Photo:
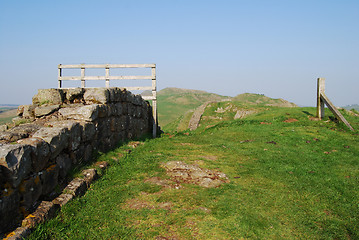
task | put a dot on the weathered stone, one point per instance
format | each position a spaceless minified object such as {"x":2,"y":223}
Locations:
{"x":17,"y":159}
{"x":102,"y":111}
{"x":20,"y":233}
{"x":76,"y":187}
{"x":97,"y":95}
{"x":30,"y":190}
{"x":88,"y":153}
{"x":20,"y":110}
{"x":194,"y":174}
{"x":85,"y":113}
{"x":137,"y":100}
{"x":57,"y":137}
{"x":88,"y":131}
{"x":90,"y":175}
{"x":74,"y":93}
{"x":114,"y":124}
{"x":115,"y":94}
{"x":49,"y":179}
{"x":19,"y":132}
{"x":103,"y":165}
{"x":44,"y":211}
{"x":40,"y":152}
{"x":63,"y":199}
{"x":3,"y":127}
{"x":64,"y":162}
{"x":48,"y":96}
{"x":119,"y":109}
{"x":45,"y":110}
{"x":29,"y":111}
{"x":10,"y":215}
{"x":74,"y":130}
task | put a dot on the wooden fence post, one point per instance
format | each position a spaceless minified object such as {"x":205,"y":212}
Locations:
{"x":154,"y":101}
{"x":83,"y":77}
{"x":323,"y":99}
{"x":320,"y":103}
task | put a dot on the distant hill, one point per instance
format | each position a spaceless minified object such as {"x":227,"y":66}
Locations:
{"x":353,"y":106}
{"x":260,"y":99}
{"x":174,"y":102}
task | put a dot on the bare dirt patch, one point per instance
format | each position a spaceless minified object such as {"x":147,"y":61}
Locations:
{"x":290,"y":120}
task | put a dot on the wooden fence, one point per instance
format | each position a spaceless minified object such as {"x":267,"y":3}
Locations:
{"x":108,"y":77}
{"x":323,"y":100}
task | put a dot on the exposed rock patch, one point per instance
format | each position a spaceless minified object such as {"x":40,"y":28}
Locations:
{"x":187,"y":173}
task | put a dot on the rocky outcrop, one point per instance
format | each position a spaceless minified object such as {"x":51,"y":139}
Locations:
{"x":66,"y":126}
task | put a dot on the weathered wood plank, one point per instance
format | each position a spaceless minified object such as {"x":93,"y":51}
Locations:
{"x":70,"y":78}
{"x":320,"y":103}
{"x":138,"y":88}
{"x":148,"y":97}
{"x":151,"y":65}
{"x":335,"y":111}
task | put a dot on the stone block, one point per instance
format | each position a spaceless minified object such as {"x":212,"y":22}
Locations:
{"x":74,"y":130}
{"x":76,"y":187}
{"x":119,"y":109}
{"x":48,"y":96}
{"x":17,"y":161}
{"x":74,"y":95}
{"x":64,"y":162}
{"x":20,"y":233}
{"x":97,"y":95}
{"x":102,"y":110}
{"x":30,"y":189}
{"x":56,"y":137}
{"x":3,"y":128}
{"x":90,"y":175}
{"x":88,"y":131}
{"x":29,"y":111}
{"x":45,"y":110}
{"x":20,"y":110}
{"x":40,"y":152}
{"x":115,"y":94}
{"x":137,"y":100}
{"x":49,"y":179}
{"x":9,"y":210}
{"x":62,"y":199}
{"x":84,"y":113}
{"x":44,"y":211}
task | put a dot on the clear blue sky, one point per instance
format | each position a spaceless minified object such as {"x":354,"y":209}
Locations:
{"x":277,"y":48}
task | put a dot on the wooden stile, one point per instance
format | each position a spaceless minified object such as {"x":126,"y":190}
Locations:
{"x":108,"y":77}
{"x":322,"y":100}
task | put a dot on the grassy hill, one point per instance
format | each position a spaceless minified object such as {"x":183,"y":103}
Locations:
{"x":174,"y":102}
{"x":7,"y":113}
{"x":260,"y":99}
{"x":290,"y":177}
{"x":176,"y":105}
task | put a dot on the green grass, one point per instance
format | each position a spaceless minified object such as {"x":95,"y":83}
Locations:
{"x":288,"y":180}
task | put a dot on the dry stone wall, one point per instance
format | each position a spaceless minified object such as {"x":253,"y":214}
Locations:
{"x":63,"y":127}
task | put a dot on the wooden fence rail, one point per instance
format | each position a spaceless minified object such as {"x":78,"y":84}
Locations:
{"x":323,"y":100}
{"x":108,"y":77}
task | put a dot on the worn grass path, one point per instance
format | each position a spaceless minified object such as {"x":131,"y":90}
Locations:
{"x":290,"y":178}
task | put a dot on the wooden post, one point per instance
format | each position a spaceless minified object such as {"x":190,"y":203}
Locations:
{"x":107,"y":77}
{"x":323,"y":99}
{"x":83,"y":77}
{"x":59,"y":76}
{"x":154,"y":101}
{"x":320,"y":103}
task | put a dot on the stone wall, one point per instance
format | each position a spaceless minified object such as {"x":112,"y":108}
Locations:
{"x":63,"y":127}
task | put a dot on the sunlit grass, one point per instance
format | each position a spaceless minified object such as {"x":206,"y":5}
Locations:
{"x":288,"y":180}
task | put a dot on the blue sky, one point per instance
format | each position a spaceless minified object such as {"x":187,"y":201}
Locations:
{"x":277,"y":48}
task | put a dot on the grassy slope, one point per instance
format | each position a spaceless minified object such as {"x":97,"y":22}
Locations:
{"x":289,"y":180}
{"x":174,"y":102}
{"x":6,"y":115}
